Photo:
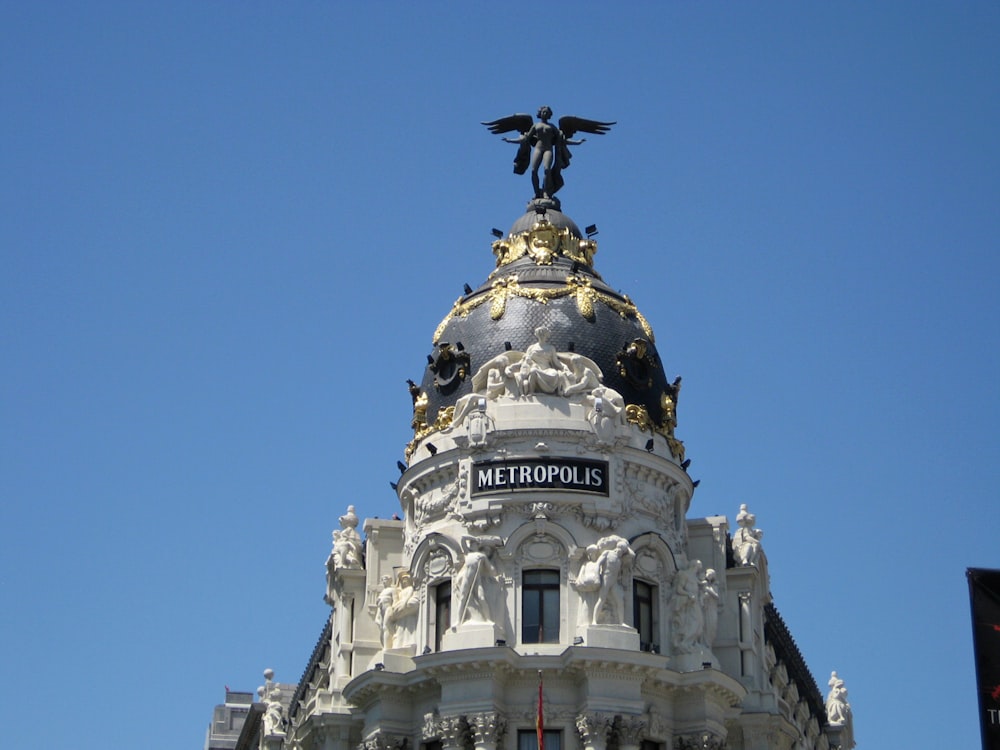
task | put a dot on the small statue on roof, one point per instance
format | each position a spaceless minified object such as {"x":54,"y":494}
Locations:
{"x":542,"y":144}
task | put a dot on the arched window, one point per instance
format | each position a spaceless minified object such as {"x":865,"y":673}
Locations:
{"x":540,"y":606}
{"x":644,"y":614}
{"x":441,"y":613}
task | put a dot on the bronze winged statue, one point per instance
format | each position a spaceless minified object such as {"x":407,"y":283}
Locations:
{"x":542,"y":144}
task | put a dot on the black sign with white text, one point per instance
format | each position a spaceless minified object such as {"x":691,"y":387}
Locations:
{"x":984,"y":588}
{"x":578,"y":474}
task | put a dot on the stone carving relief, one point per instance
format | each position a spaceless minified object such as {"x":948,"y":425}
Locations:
{"x":397,"y":607}
{"x":687,"y":616}
{"x":435,"y":502}
{"x":383,"y":603}
{"x":651,"y":493}
{"x":613,"y":560}
{"x":587,"y":583}
{"x":478,"y":588}
{"x":746,"y":541}
{"x":710,"y":601}
{"x":540,"y":370}
{"x":438,"y":564}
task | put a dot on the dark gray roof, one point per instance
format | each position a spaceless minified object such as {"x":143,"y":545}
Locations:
{"x":601,"y":336}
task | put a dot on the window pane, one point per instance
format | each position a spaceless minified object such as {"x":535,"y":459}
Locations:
{"x":642,"y":612}
{"x":540,"y":606}
{"x":550,"y":617}
{"x":442,"y":612}
{"x":527,"y":739}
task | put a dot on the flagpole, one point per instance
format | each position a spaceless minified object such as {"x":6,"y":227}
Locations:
{"x":540,"y":718}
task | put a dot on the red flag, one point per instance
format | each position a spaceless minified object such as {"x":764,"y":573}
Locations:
{"x":540,"y":719}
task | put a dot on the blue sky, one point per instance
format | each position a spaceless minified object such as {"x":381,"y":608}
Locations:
{"x":230,"y":229}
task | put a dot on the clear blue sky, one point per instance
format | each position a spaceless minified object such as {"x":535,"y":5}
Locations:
{"x":230,"y":228}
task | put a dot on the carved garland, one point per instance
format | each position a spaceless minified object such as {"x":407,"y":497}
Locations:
{"x":579,"y":286}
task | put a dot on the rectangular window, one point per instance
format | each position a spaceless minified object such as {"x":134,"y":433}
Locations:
{"x":442,"y":612}
{"x":540,"y":607}
{"x":650,"y":745}
{"x":644,"y":614}
{"x":527,"y":739}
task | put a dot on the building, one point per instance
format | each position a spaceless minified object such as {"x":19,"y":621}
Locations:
{"x":548,"y":560}
{"x":227,"y":720}
{"x":238,"y":723}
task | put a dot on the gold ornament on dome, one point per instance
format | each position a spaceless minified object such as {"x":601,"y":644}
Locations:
{"x":543,"y":243}
{"x":676,"y":448}
{"x":584,"y":294}
{"x":419,"y":411}
{"x":442,"y":422}
{"x":577,"y":285}
{"x":639,"y":416}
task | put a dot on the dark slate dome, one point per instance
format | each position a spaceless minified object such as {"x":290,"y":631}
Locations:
{"x":545,"y":276}
{"x":556,"y":218}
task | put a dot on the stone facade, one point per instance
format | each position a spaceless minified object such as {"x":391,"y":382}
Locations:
{"x":546,"y":536}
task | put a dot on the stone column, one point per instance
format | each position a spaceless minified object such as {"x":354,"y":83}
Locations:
{"x":593,"y":730}
{"x":703,"y":741}
{"x":629,"y":731}
{"x":454,"y":730}
{"x":487,"y":730}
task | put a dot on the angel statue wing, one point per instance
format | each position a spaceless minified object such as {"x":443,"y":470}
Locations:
{"x":570,"y":125}
{"x":522,"y":124}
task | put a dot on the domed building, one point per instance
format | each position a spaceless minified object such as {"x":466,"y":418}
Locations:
{"x":547,"y":583}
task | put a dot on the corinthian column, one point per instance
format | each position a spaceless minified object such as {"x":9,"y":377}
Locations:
{"x":454,"y":729}
{"x":629,"y":731}
{"x":487,"y":730}
{"x":593,"y":730}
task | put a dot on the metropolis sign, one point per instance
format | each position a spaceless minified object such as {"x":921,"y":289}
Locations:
{"x":577,"y":474}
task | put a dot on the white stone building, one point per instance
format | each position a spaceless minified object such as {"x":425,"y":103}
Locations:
{"x":545,"y":534}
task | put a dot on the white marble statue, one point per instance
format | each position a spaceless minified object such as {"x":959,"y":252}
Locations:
{"x":347,"y":542}
{"x":710,"y":608}
{"x":838,"y":710}
{"x":401,"y":616}
{"x":270,"y":695}
{"x":616,"y":555}
{"x":346,"y":551}
{"x":688,"y":619}
{"x":476,"y":585}
{"x":588,"y":583}
{"x":746,"y":541}
{"x":541,"y":371}
{"x":273,"y":715}
{"x":607,"y":411}
{"x":383,"y":603}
